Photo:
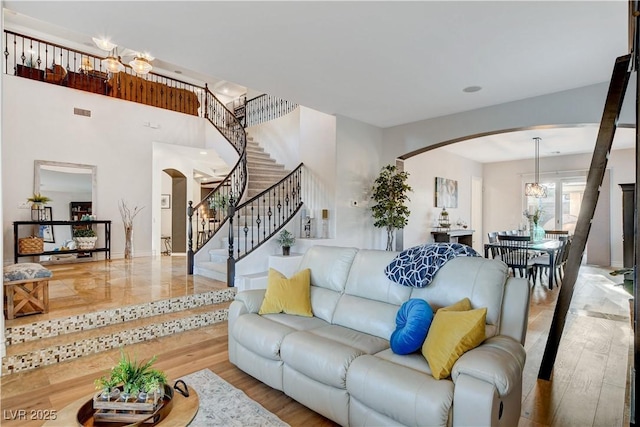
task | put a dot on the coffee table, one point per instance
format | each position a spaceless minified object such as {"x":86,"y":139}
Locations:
{"x":183,"y":411}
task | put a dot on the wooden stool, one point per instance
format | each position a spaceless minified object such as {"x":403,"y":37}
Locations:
{"x":26,"y":289}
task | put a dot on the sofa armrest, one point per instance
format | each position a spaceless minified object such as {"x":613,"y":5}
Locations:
{"x":498,"y":361}
{"x":252,"y":299}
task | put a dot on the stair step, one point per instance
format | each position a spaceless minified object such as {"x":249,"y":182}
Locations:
{"x":262,"y":161}
{"x":212,"y":270}
{"x":265,"y":167}
{"x":54,"y":327}
{"x":169,"y":317}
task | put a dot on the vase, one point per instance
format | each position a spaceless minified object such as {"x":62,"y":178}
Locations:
{"x":538,"y":233}
{"x":286,"y":250}
{"x":128,"y":242}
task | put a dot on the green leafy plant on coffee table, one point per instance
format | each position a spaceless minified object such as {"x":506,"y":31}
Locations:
{"x":133,"y":376}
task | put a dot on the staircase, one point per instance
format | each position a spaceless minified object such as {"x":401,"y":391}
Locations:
{"x":262,"y":169}
{"x":263,"y":172}
{"x":47,"y":342}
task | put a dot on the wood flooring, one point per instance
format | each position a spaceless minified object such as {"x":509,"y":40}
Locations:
{"x":588,"y":386}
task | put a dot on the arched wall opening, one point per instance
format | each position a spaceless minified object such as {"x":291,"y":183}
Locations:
{"x":501,"y":181}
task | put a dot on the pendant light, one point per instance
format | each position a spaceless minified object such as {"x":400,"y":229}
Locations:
{"x":112,"y":63}
{"x":534,"y":189}
{"x":140,"y":65}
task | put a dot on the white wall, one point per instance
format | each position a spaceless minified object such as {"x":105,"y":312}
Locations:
{"x":114,"y":139}
{"x":358,"y":164}
{"x":423,"y":170}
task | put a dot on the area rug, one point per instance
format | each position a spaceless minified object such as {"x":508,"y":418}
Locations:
{"x":221,"y":404}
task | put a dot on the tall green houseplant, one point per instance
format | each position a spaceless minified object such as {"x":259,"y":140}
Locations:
{"x":390,"y":195}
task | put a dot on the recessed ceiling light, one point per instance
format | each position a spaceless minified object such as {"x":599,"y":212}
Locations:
{"x":471,"y":89}
{"x":203,"y":152}
{"x":555,"y":152}
{"x":178,"y":72}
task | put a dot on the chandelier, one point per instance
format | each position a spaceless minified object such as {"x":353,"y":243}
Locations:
{"x":534,"y":189}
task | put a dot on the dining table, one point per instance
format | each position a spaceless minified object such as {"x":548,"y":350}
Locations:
{"x":549,"y":246}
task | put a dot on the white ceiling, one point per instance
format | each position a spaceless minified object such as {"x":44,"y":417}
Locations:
{"x":383,"y":63}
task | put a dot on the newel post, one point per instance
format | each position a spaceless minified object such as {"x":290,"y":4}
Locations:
{"x":206,"y":101}
{"x":190,"y":238}
{"x":231,"y":262}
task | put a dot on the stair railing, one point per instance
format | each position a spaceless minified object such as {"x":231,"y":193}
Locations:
{"x":255,"y":221}
{"x":211,"y":213}
{"x":266,"y":107}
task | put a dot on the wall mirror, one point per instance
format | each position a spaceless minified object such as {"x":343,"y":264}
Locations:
{"x":69,"y":186}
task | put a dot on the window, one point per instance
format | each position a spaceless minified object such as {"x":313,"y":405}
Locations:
{"x":562,"y":205}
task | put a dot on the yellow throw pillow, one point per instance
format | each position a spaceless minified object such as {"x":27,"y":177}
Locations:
{"x":452,"y":333}
{"x":462,"y":305}
{"x":290,"y":296}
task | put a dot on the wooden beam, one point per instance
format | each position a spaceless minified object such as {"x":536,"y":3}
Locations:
{"x":612,"y":107}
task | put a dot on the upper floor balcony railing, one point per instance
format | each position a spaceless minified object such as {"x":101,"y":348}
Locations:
{"x":48,"y":62}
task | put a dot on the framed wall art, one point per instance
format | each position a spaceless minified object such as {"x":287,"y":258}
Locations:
{"x":165,"y":201}
{"x":446,"y":193}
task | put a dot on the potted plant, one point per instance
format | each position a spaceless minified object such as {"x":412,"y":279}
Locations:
{"x":286,"y":240}
{"x":85,"y":238}
{"x":217,"y":203}
{"x":131,"y":379}
{"x":390,"y":195}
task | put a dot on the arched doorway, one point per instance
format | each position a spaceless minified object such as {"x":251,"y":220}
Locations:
{"x":174,"y":213}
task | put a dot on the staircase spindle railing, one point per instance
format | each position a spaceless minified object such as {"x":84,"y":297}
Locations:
{"x":212,"y":212}
{"x":266,"y":107}
{"x":257,"y":220}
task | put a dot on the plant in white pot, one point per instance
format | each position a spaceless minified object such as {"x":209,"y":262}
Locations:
{"x":85,"y":238}
{"x":285,"y":239}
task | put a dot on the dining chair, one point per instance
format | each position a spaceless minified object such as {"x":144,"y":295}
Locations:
{"x":493,"y":238}
{"x":555,"y":234}
{"x":514,"y":251}
{"x":541,"y":263}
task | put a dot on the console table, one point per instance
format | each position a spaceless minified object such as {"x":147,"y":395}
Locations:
{"x":462,"y":236}
{"x":107,"y":238}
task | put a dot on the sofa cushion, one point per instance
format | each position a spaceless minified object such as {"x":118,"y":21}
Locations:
{"x":260,"y":335}
{"x":366,"y":278}
{"x":412,"y":323}
{"x":366,"y":343}
{"x":400,"y":393}
{"x":329,"y":266}
{"x":370,"y":316}
{"x":299,"y":323}
{"x":414,"y":360}
{"x":287,"y":295}
{"x":319,"y":358}
{"x":479,"y":279}
{"x":452,"y":333}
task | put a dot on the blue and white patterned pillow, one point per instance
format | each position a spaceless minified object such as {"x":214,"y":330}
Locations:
{"x":25,"y":271}
{"x":416,"y":266}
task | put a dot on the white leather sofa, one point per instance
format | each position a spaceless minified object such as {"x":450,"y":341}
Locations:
{"x":339,"y":362}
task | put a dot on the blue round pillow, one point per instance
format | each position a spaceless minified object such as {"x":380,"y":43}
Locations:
{"x":412,"y":324}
